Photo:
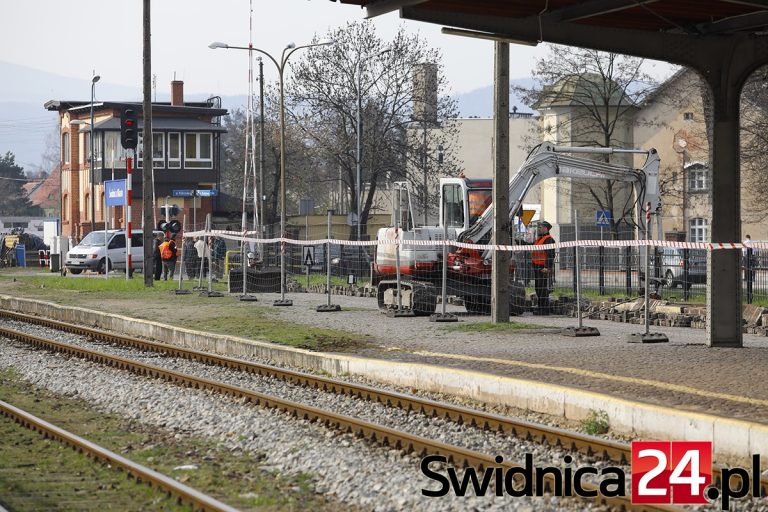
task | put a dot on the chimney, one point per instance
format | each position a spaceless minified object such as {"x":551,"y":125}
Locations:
{"x":177,"y":93}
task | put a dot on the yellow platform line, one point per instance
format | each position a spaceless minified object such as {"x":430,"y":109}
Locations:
{"x":667,"y":386}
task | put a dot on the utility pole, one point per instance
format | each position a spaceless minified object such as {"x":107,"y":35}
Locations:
{"x":500,"y":236}
{"x":146,"y":174}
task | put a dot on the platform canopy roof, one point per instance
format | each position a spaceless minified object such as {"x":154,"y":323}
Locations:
{"x":668,"y":30}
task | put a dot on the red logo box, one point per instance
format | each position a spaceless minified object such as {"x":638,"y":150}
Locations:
{"x":676,"y":472}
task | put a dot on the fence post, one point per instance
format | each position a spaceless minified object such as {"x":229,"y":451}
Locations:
{"x":686,"y":272}
{"x":750,"y":275}
{"x":575,"y":269}
{"x":628,"y":269}
{"x":601,"y":269}
{"x":328,"y":307}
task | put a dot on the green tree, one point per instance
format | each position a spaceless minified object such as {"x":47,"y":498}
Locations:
{"x":13,"y":200}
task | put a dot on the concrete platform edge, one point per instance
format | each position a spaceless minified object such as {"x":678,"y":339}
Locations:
{"x":734,"y":441}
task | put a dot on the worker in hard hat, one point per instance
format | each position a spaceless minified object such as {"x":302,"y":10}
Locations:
{"x":543,"y":263}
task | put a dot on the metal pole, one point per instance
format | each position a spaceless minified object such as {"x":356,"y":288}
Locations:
{"x":243,"y":265}
{"x":261,"y":148}
{"x":424,"y":156}
{"x":282,"y":187}
{"x":444,"y":292}
{"x":147,"y":187}
{"x":328,"y":258}
{"x":306,"y":237}
{"x":129,"y":200}
{"x":183,"y":230}
{"x":576,"y":269}
{"x":106,"y":248}
{"x":647,"y":270}
{"x":93,"y":160}
{"x":397,"y":250}
{"x":208,"y":250}
{"x":500,"y":289}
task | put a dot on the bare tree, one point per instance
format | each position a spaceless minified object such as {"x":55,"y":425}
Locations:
{"x":588,"y":98}
{"x":754,"y":146}
{"x":687,"y":92}
{"x":299,"y":183}
{"x":324,"y":93}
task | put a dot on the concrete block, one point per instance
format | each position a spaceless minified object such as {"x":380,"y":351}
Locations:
{"x":656,"y":423}
{"x":753,"y":314}
{"x":758,"y":441}
{"x":731,"y":441}
{"x":668,"y":309}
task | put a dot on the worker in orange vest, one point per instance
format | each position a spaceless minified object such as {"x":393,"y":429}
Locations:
{"x":543,"y":263}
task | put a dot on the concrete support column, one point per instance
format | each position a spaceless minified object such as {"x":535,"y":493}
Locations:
{"x":724,"y":291}
{"x":500,"y":234}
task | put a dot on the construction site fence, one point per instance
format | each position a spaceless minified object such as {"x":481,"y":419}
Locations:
{"x":606,"y":268}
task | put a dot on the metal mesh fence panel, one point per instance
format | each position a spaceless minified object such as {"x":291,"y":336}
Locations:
{"x":608,"y":269}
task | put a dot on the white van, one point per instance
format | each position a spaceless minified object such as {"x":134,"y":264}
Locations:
{"x":90,"y":254}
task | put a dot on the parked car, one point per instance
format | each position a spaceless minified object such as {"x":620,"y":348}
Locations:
{"x":90,"y":253}
{"x":672,"y":266}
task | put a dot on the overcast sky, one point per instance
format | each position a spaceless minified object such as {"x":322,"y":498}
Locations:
{"x":74,"y":38}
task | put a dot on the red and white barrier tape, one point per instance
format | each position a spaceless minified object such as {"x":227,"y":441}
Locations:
{"x":249,"y":236}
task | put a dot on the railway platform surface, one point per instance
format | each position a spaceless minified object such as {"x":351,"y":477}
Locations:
{"x":683,"y":373}
{"x":682,"y":388}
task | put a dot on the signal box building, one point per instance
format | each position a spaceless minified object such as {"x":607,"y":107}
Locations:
{"x":185,"y":146}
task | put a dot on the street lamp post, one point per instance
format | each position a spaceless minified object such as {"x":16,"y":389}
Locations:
{"x":290,"y":49}
{"x":95,"y":79}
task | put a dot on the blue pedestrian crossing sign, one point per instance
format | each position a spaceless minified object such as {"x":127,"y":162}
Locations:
{"x":603,"y":218}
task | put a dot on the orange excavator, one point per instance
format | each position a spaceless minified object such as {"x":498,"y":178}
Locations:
{"x":466,"y":213}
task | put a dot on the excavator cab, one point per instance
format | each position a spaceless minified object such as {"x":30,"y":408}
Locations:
{"x":463,"y":201}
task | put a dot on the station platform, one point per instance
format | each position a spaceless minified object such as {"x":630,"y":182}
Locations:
{"x":680,"y":390}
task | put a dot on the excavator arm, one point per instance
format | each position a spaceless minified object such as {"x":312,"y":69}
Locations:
{"x":550,"y":161}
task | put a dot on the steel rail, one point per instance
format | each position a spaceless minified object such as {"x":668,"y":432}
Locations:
{"x":385,"y":436}
{"x":186,"y":494}
{"x":573,"y":441}
{"x":552,"y":436}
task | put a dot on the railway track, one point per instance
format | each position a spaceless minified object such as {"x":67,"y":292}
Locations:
{"x":194,"y":498}
{"x":608,"y":450}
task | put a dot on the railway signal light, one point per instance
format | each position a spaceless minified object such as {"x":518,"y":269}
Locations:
{"x":129,"y":137}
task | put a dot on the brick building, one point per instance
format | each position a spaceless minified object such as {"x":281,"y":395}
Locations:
{"x":185,"y":145}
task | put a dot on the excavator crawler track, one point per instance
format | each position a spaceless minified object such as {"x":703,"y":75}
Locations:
{"x":418,"y":297}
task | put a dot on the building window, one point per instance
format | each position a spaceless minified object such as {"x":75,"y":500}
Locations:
{"x":97,"y":149}
{"x":198,"y":148}
{"x":87,"y":206}
{"x":158,"y":150}
{"x":65,"y":208}
{"x":698,"y":177}
{"x":97,"y":146}
{"x":65,"y":148}
{"x":115,"y":152}
{"x":687,"y":116}
{"x":697,"y":230}
{"x":174,"y":150}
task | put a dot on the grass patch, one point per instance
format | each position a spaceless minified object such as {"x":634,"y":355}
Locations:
{"x":54,"y":475}
{"x":222,"y":315}
{"x":251,"y":323}
{"x":596,"y":422}
{"x":490,"y":327}
{"x":115,"y":285}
